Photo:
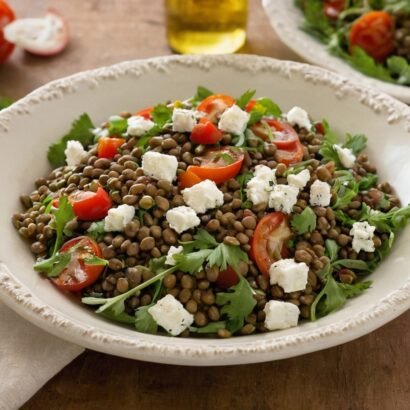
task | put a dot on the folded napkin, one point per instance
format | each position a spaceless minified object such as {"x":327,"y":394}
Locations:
{"x":29,"y":357}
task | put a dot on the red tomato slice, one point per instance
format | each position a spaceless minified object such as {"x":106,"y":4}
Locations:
{"x":285,"y":138}
{"x":90,"y":206}
{"x":332,"y":8}
{"x":250,"y":105}
{"x":78,"y":275}
{"x":374,"y":33}
{"x":146,"y":113}
{"x":269,"y":240}
{"x":227,"y":278}
{"x":215,"y":105}
{"x":205,"y":132}
{"x":6,"y":17}
{"x":216,"y":167}
{"x":188,"y":179}
{"x":108,"y":147}
{"x":290,"y":156}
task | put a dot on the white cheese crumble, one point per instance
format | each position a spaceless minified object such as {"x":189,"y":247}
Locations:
{"x":299,"y":180}
{"x":259,"y":187}
{"x":74,"y":153}
{"x":203,"y":196}
{"x":289,"y":275}
{"x":234,"y":120}
{"x":118,"y":218}
{"x":171,"y":315}
{"x":183,"y":120}
{"x":280,"y":315}
{"x":138,"y":125}
{"x":283,"y":197}
{"x":320,"y":194}
{"x":101,"y":132}
{"x":298,"y":116}
{"x":173,"y":250}
{"x":159,"y":166}
{"x":363,"y":234}
{"x":182,"y":218}
{"x":346,"y":156}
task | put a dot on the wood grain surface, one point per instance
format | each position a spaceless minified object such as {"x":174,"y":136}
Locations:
{"x":370,"y":373}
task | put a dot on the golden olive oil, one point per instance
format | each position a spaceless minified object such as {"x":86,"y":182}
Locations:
{"x":206,"y":26}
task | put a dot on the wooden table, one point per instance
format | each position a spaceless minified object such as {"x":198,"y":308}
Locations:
{"x":369,"y":373}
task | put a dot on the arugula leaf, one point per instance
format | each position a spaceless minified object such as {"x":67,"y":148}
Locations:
{"x":161,"y":115}
{"x":236,"y":304}
{"x":351,"y":264}
{"x":53,"y":266}
{"x":399,"y":69}
{"x":356,"y":143}
{"x":96,"y":230}
{"x":264,"y":107}
{"x":211,"y":327}
{"x":397,"y":6}
{"x":389,"y":221}
{"x":144,"y":322}
{"x":117,"y":125}
{"x":304,"y":222}
{"x":299,"y":167}
{"x":326,"y":149}
{"x":368,"y":181}
{"x":316,"y":22}
{"x":332,"y":249}
{"x":351,"y":290}
{"x":345,"y":187}
{"x":201,"y":94}
{"x":121,"y":317}
{"x":81,"y":130}
{"x":243,"y":100}
{"x":5,"y":102}
{"x":62,"y":215}
{"x":254,"y":116}
{"x":344,"y":218}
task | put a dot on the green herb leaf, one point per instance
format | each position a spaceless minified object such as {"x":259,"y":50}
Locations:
{"x":192,"y":262}
{"x":201,"y":94}
{"x":352,"y":290}
{"x":299,"y":167}
{"x":243,"y":180}
{"x":243,"y":100}
{"x":144,"y":322}
{"x":304,"y":222}
{"x":399,"y":69}
{"x":389,"y":221}
{"x":62,"y":215}
{"x":161,"y":115}
{"x":356,"y":143}
{"x":344,"y":218}
{"x":211,"y":327}
{"x":332,"y":249}
{"x":326,"y":149}
{"x":316,"y":22}
{"x":81,"y":130}
{"x":95,"y":261}
{"x":121,"y":317}
{"x":117,"y":125}
{"x":254,"y":116}
{"x":368,"y":181}
{"x":5,"y":102}
{"x":271,"y":109}
{"x":351,"y":264}
{"x":227,"y":255}
{"x":96,"y":230}
{"x":53,"y":266}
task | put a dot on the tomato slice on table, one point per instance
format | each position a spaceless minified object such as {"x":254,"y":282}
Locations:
{"x":374,"y":33}
{"x":78,"y":274}
{"x":90,"y":206}
{"x":227,"y":278}
{"x":205,"y":132}
{"x":6,"y":17}
{"x":146,"y":113}
{"x":332,"y":8}
{"x":269,"y":240}
{"x":215,"y":105}
{"x":108,"y":147}
{"x":285,"y":136}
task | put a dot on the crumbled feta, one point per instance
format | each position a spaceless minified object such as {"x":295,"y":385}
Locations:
{"x":182,"y":218}
{"x":171,"y":315}
{"x":203,"y":196}
{"x":320,"y":194}
{"x":173,"y":250}
{"x":183,"y":120}
{"x":280,"y":315}
{"x":346,"y":156}
{"x":118,"y":218}
{"x":299,"y":180}
{"x":363,"y":234}
{"x":289,"y":275}
{"x":74,"y":153}
{"x":101,"y":132}
{"x":259,"y":187}
{"x":298,"y":116}
{"x":283,"y":197}
{"x":159,"y":166}
{"x":138,"y":125}
{"x":234,"y":120}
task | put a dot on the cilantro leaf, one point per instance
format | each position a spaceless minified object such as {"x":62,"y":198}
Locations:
{"x":389,"y":221}
{"x":53,"y":266}
{"x":236,"y":304}
{"x":264,"y":107}
{"x":144,"y":322}
{"x":62,"y":215}
{"x":356,"y":143}
{"x":243,"y":100}
{"x":95,"y":261}
{"x":81,"y":130}
{"x":161,"y":115}
{"x":201,"y":94}
{"x":117,"y":125}
{"x":192,"y":262}
{"x":96,"y":230}
{"x":304,"y":222}
{"x":326,"y":149}
{"x":227,"y":255}
{"x":5,"y":102}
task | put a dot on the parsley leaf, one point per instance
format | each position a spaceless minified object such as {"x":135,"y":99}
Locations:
{"x":304,"y":222}
{"x":5,"y":102}
{"x":161,"y":115}
{"x":356,"y":143}
{"x":144,"y":322}
{"x":62,"y":215}
{"x":96,"y":230}
{"x":53,"y":266}
{"x":95,"y":261}
{"x":264,"y":107}
{"x":192,"y":262}
{"x":399,"y":69}
{"x":117,"y":125}
{"x":227,"y":255}
{"x":326,"y":149}
{"x":243,"y":100}
{"x":389,"y":221}
{"x":81,"y":130}
{"x":201,"y":94}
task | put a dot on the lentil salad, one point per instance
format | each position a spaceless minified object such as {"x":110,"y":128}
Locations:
{"x":213,"y":216}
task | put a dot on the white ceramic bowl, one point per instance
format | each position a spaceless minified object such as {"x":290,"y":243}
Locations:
{"x":29,"y":126}
{"x":287,"y":19}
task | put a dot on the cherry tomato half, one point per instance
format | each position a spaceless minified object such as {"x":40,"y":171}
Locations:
{"x":146,"y":113}
{"x":269,"y":240}
{"x":205,"y":132}
{"x":285,"y":136}
{"x":108,"y":147}
{"x":290,"y":156}
{"x":251,"y":104}
{"x":90,"y":206}
{"x":6,"y":17}
{"x":332,"y":8}
{"x":374,"y":33}
{"x":78,"y":275}
{"x":188,"y":179}
{"x":227,"y":278}
{"x":215,"y":105}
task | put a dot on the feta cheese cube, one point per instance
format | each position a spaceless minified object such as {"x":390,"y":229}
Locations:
{"x":138,"y":125}
{"x":183,"y":120}
{"x":74,"y":153}
{"x":159,"y":166}
{"x":173,"y":250}
{"x":234,"y":120}
{"x":171,"y":315}
{"x":289,"y":275}
{"x":118,"y":218}
{"x":283,"y":197}
{"x":346,"y":156}
{"x":259,"y":187}
{"x":363,"y":234}
{"x":320,"y":194}
{"x":299,"y":180}
{"x":101,"y":132}
{"x":298,"y":116}
{"x":280,"y":315}
{"x":203,"y":196}
{"x":182,"y":218}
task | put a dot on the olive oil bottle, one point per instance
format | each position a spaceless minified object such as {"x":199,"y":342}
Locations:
{"x":206,"y":26}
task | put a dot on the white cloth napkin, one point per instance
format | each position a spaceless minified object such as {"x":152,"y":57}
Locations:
{"x":29,"y":357}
